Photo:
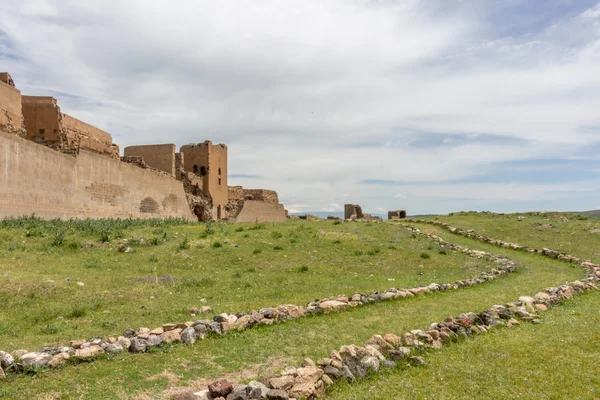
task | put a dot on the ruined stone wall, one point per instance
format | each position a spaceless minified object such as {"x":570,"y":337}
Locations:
{"x":37,"y":179}
{"x":210,"y":162}
{"x":239,"y":193}
{"x":11,"y":119}
{"x":47,"y":125}
{"x":253,"y":211}
{"x":159,"y":156}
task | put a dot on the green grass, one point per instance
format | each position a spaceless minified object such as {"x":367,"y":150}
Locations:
{"x":154,"y":274}
{"x":501,"y":364}
{"x":565,"y":232}
{"x":555,"y":360}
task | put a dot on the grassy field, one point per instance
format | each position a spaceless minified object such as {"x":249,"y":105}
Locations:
{"x":524,"y":362}
{"x":171,"y":268}
{"x":573,"y":234}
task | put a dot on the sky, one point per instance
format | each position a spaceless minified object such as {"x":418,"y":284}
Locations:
{"x":431,"y":106}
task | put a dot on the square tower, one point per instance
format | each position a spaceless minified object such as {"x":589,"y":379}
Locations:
{"x":209,"y":162}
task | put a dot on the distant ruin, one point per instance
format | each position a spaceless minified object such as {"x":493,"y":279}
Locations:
{"x":56,"y":166}
{"x":354,"y":212}
{"x":397,"y":214}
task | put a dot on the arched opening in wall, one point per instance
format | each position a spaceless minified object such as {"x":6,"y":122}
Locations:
{"x":203,"y":171}
{"x":200,"y":214}
{"x":195,"y":169}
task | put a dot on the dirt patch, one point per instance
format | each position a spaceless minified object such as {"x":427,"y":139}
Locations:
{"x":595,"y":230}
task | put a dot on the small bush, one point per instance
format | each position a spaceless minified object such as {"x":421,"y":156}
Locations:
{"x":74,"y":246}
{"x":105,"y":236}
{"x":256,"y":251}
{"x":246,"y":235}
{"x":251,"y":269}
{"x":392,"y":247}
{"x":239,"y":229}
{"x":202,"y":235}
{"x":59,"y":238}
{"x":185,"y":244}
{"x":216,"y":245}
{"x":293,"y":240}
{"x":442,"y":252}
{"x":337,"y":222}
{"x":424,"y":256}
{"x":429,"y":247}
{"x":155,"y":241}
{"x":304,"y":268}
{"x":278,"y":248}
{"x":77,"y":312}
{"x":337,"y":241}
{"x":373,"y":252}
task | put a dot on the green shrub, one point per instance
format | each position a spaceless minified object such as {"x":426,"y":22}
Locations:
{"x":256,"y":251}
{"x":77,"y":312}
{"x":278,"y":248}
{"x":373,"y":252}
{"x":337,"y":222}
{"x":442,"y":252}
{"x":74,"y":246}
{"x":337,"y":241}
{"x":185,"y":244}
{"x":304,"y":268}
{"x":424,"y":256}
{"x":239,"y":229}
{"x":59,"y":238}
{"x":216,"y":245}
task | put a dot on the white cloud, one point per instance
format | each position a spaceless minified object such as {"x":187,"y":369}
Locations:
{"x":293,"y":90}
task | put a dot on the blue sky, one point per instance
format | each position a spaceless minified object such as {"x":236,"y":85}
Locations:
{"x":433,"y":106}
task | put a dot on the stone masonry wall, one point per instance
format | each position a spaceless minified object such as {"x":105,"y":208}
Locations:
{"x":253,"y":211}
{"x":37,"y":179}
{"x":159,"y":156}
{"x":46,"y":124}
{"x":11,"y":119}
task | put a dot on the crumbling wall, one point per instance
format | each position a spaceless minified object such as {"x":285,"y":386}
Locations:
{"x":353,"y":211}
{"x":253,"y":211}
{"x":397,"y":214}
{"x":158,"y":156}
{"x":11,"y":118}
{"x":37,"y":179}
{"x":46,"y":124}
{"x":209,"y":162}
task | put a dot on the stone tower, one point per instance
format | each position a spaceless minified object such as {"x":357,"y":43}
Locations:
{"x":209,"y":162}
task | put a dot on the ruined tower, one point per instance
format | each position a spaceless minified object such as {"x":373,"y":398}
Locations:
{"x":209,"y":162}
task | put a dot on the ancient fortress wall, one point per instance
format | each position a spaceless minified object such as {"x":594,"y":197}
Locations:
{"x":45,"y":124}
{"x":159,"y":156}
{"x":253,"y":211}
{"x":37,"y":179}
{"x":10,"y":108}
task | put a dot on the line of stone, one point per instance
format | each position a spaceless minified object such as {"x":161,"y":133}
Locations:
{"x":592,"y":268}
{"x":310,"y":379}
{"x":144,"y":339}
